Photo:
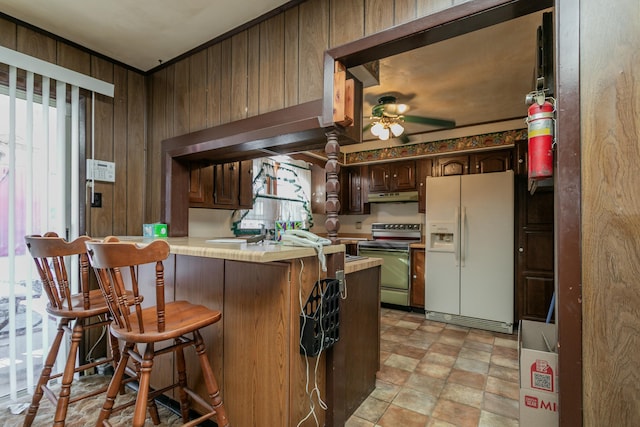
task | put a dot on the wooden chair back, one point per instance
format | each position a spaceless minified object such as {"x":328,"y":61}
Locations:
{"x":110,"y":258}
{"x":49,"y":253}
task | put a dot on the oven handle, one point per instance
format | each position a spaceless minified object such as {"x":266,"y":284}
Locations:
{"x":369,"y":248}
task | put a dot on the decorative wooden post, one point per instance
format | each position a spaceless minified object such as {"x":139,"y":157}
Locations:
{"x":332,"y":168}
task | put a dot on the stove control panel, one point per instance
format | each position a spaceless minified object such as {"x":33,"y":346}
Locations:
{"x":395,"y":227}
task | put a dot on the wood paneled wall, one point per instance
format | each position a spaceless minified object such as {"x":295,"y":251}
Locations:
{"x":119,"y":127}
{"x":610,"y":131}
{"x":278,"y":63}
{"x":272,"y":65}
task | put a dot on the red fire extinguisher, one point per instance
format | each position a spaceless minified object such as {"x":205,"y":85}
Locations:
{"x":540,"y":122}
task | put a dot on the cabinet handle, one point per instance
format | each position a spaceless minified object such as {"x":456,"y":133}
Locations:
{"x":415,"y":276}
{"x":521,"y":249}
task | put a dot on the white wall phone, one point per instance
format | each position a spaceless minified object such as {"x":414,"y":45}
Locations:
{"x":308,"y":239}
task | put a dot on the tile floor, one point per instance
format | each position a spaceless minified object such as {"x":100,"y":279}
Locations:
{"x":435,"y":375}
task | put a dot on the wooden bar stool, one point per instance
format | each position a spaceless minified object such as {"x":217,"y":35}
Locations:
{"x":117,"y":266}
{"x":76,"y":313}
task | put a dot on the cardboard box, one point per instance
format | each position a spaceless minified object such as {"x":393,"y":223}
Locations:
{"x":537,"y":348}
{"x":538,"y":408}
{"x":154,"y":230}
{"x":538,"y":357}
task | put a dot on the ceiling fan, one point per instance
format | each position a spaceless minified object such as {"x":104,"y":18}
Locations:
{"x":388,"y":115}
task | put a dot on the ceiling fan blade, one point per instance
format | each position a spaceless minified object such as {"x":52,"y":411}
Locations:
{"x":430,"y":121}
{"x":404,"y":138}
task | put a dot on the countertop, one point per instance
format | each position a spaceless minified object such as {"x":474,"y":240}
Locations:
{"x":361,"y":264}
{"x":261,"y":252}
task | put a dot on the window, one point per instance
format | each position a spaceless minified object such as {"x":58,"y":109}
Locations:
{"x":39,"y":192}
{"x":281,"y":189}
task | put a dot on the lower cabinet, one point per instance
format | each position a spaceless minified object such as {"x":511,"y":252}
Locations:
{"x":417,"y":261}
{"x":254,"y":349}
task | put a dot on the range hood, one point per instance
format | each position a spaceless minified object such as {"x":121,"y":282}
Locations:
{"x":397,"y":197}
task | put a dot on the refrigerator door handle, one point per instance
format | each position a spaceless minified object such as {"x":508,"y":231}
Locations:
{"x":463,"y":229}
{"x":456,"y":240}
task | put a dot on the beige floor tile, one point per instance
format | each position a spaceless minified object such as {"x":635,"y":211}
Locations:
{"x":415,"y":400}
{"x":402,"y":362}
{"x":463,"y":394}
{"x":396,"y":416}
{"x":371,"y":409}
{"x":503,"y":388}
{"x":500,"y":405}
{"x":385,"y":391}
{"x":439,"y":375}
{"x":456,"y":413}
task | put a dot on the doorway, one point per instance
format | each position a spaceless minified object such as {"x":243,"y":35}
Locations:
{"x":460,"y":20}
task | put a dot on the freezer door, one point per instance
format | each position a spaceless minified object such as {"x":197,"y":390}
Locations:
{"x":487,"y":246}
{"x":442,"y":277}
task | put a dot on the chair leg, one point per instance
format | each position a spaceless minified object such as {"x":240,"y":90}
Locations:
{"x":46,"y":373}
{"x":144,"y":381}
{"x":153,"y":411}
{"x":115,"y":355}
{"x":114,"y":386}
{"x":182,"y":382}
{"x":210,"y":381}
{"x":67,"y":375}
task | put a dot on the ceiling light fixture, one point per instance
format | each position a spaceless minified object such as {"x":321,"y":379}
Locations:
{"x":383,"y":127}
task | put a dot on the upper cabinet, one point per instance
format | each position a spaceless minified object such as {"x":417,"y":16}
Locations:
{"x":392,"y":176}
{"x":200,"y":184}
{"x":353,"y":193}
{"x":224,"y":186}
{"x":318,"y":189}
{"x":451,"y":165}
{"x":424,"y":168}
{"x":491,"y":161}
{"x":481,"y":162}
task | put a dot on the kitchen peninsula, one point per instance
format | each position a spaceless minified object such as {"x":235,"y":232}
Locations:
{"x":255,"y":349}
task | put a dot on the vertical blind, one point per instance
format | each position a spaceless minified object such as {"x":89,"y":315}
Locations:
{"x":39,"y":191}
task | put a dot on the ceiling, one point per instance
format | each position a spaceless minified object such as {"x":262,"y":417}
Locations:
{"x":140,"y":33}
{"x":477,"y":78}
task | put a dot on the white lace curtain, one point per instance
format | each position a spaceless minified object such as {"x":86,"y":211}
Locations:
{"x":281,"y":193}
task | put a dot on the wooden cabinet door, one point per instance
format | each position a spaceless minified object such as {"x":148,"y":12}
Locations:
{"x":354,"y":190}
{"x":424,"y":168}
{"x":245,"y":197}
{"x":200,"y":184}
{"x":318,"y":189}
{"x":534,"y":229}
{"x":451,"y":165}
{"x":417,"y":277}
{"x":379,"y":177}
{"x":491,"y":161}
{"x":226,"y":182}
{"x":403,"y":176}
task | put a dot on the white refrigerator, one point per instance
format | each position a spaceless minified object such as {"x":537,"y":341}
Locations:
{"x":469,"y":269}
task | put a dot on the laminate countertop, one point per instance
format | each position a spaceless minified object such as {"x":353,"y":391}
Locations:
{"x":240,"y":251}
{"x":361,"y":264}
{"x":251,"y":252}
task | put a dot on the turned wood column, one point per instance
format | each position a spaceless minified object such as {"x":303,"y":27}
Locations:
{"x":332,"y":168}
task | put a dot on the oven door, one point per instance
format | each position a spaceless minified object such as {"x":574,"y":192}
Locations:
{"x":394,"y":272}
